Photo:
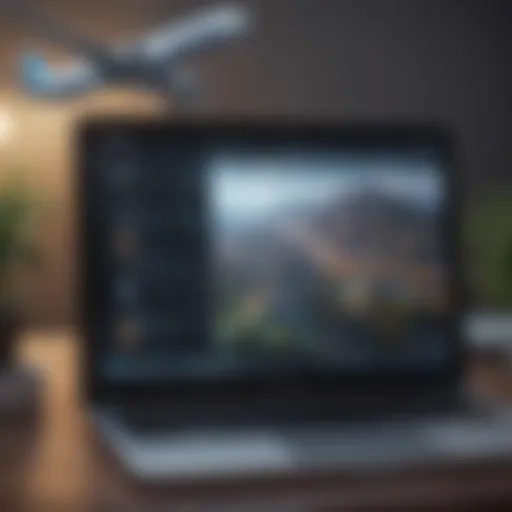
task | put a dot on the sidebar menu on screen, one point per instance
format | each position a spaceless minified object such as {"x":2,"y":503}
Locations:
{"x":153,"y":236}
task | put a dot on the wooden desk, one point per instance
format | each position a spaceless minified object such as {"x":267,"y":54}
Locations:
{"x":69,"y":472}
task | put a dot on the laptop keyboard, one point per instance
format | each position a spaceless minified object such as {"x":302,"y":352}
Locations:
{"x":158,"y":420}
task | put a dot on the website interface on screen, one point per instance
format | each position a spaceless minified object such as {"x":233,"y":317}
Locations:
{"x":238,"y":261}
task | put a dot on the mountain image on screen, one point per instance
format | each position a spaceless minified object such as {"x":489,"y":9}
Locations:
{"x":357,"y":274}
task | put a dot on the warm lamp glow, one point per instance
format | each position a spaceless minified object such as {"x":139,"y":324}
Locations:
{"x":7,"y":127}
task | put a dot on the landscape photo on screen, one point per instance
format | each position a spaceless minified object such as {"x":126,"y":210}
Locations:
{"x":329,"y":260}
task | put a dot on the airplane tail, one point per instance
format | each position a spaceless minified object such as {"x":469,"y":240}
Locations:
{"x":35,"y":73}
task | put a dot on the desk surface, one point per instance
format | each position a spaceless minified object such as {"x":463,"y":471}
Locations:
{"x":69,"y":472}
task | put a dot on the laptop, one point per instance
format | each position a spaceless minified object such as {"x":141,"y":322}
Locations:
{"x":270,"y":298}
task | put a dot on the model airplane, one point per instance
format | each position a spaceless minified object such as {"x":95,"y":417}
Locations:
{"x":153,"y":62}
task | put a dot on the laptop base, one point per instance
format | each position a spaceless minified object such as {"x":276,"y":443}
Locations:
{"x":228,"y":453}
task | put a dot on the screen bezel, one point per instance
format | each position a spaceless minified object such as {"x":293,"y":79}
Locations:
{"x":310,"y":134}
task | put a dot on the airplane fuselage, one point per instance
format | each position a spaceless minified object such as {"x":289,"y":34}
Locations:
{"x":153,"y":62}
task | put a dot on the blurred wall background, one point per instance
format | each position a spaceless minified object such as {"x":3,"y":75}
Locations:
{"x":445,"y":60}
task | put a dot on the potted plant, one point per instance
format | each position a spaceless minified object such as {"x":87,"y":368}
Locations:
{"x":489,"y":269}
{"x":19,"y":385}
{"x":17,"y":248}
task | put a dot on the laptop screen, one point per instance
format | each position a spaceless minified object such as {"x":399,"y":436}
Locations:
{"x":229,"y":257}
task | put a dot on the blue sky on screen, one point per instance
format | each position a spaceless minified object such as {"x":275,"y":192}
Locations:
{"x":248,"y":188}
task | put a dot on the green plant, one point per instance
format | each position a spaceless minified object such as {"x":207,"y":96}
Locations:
{"x":17,"y":245}
{"x":489,"y":250}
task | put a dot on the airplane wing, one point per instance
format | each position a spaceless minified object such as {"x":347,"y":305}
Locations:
{"x":40,"y":80}
{"x":196,"y":33}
